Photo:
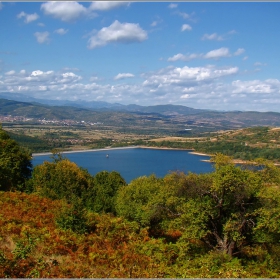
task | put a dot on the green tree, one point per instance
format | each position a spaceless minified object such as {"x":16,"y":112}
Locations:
{"x":177,"y":190}
{"x":268,"y":215}
{"x":15,"y":164}
{"x":270,"y":173}
{"x":223,"y":216}
{"x":135,"y":201}
{"x":61,"y":179}
{"x":74,"y":217}
{"x":103,"y":193}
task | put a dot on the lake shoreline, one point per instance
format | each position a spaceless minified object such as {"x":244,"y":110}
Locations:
{"x":87,"y":150}
{"x":119,"y":148}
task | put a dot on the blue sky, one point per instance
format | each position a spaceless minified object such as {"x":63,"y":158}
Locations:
{"x":208,"y":55}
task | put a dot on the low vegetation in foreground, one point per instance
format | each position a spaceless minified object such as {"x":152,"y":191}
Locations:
{"x":57,"y":220}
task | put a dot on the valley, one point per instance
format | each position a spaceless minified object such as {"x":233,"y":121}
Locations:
{"x":242,"y":135}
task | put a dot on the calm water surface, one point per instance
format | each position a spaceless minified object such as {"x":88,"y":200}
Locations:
{"x":135,"y":162}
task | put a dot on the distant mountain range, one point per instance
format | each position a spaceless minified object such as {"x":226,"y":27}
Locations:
{"x":102,"y":105}
{"x":172,"y":118}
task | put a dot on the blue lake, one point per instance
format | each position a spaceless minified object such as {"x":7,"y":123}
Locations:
{"x":132,"y":163}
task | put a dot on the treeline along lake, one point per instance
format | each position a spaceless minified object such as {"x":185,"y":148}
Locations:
{"x":132,"y":163}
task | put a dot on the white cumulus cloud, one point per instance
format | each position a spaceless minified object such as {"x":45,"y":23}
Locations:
{"x":61,"y":31}
{"x":187,"y":75}
{"x":38,"y":81}
{"x":214,"y":54}
{"x":186,"y":27}
{"x":28,"y":17}
{"x":107,"y":5}
{"x":184,"y":15}
{"x":39,"y":73}
{"x":65,"y":11}
{"x":9,"y":73}
{"x":217,"y":37}
{"x":118,"y":33}
{"x":183,"y":57}
{"x":257,"y":86}
{"x":42,"y":37}
{"x":222,"y":52}
{"x":68,"y":77}
{"x":123,"y":76}
{"x":239,"y":51}
{"x":213,"y":36}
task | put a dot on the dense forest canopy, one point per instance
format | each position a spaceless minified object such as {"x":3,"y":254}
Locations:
{"x":57,"y":220}
{"x":15,"y":163}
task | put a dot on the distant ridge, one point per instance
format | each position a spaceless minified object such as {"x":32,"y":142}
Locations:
{"x":79,"y":103}
{"x":167,"y":109}
{"x":158,"y":117}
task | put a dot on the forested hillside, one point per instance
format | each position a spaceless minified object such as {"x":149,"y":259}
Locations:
{"x":244,"y":144}
{"x":57,"y":220}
